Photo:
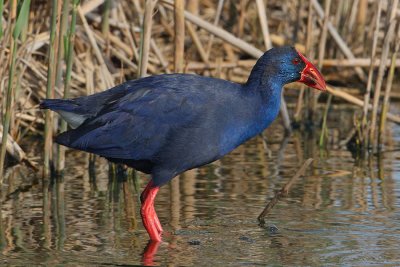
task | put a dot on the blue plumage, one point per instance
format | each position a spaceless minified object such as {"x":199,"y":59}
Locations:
{"x":167,"y":124}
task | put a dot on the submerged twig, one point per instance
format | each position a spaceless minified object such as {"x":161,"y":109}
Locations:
{"x":283,"y":192}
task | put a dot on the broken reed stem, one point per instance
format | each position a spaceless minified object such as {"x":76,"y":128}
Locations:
{"x":389,"y":81}
{"x":50,"y":91}
{"x":370,"y":77}
{"x":384,"y":56}
{"x":283,"y":192}
{"x":69,"y":52}
{"x":179,"y":18}
{"x":145,"y":37}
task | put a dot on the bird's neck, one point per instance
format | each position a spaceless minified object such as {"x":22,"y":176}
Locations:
{"x":266,"y":86}
{"x":266,"y":95}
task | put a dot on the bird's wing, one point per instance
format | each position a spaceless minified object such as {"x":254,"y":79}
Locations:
{"x":138,"y":124}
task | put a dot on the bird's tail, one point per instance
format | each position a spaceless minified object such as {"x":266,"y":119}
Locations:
{"x":58,"y":104}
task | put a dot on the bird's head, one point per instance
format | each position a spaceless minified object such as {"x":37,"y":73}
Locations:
{"x":288,"y":65}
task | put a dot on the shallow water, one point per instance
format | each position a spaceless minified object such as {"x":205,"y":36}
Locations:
{"x":342,"y":212}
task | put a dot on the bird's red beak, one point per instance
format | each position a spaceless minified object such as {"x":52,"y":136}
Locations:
{"x":310,"y":75}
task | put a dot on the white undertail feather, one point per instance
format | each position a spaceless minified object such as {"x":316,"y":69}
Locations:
{"x":74,"y":120}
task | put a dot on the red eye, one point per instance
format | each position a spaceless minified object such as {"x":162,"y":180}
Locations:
{"x":296,"y":61}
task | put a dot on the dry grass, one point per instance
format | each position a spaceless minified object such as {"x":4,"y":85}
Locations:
{"x":120,"y":40}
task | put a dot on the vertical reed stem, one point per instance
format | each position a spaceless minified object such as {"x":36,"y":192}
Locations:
{"x":370,"y":77}
{"x":321,"y":55}
{"x":382,"y":67}
{"x":389,"y":81}
{"x":7,"y":117}
{"x":179,"y":8}
{"x":58,"y":82}
{"x":105,"y":23}
{"x":20,"y":24}
{"x":1,"y":14}
{"x":146,"y":35}
{"x":50,"y":91}
{"x":361,"y":19}
{"x":69,"y":52}
{"x":309,"y":47}
{"x":215,"y":23}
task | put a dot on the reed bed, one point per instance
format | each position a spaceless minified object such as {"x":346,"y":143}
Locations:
{"x":73,"y":48}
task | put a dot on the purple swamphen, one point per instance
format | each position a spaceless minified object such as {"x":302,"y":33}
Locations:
{"x":166,"y":124}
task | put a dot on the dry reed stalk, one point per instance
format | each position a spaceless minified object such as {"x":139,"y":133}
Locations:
{"x":197,"y":42}
{"x":69,"y":53}
{"x":324,"y":34}
{"x":358,"y":102}
{"x":179,"y":19}
{"x":309,"y":95}
{"x":105,"y":23}
{"x":1,"y":20}
{"x":215,"y":23}
{"x":384,"y":56}
{"x":160,"y":56}
{"x":128,"y":33}
{"x":389,"y":81}
{"x":146,"y":36}
{"x":224,"y":35}
{"x":106,"y":75}
{"x":89,"y":6}
{"x":338,"y":39}
{"x":61,"y":38}
{"x":361,"y":20}
{"x":9,"y":97}
{"x":321,"y":55}
{"x":300,"y":98}
{"x":370,"y":77}
{"x":351,"y":21}
{"x":58,"y":83}
{"x":262,"y":15}
{"x":357,"y":62}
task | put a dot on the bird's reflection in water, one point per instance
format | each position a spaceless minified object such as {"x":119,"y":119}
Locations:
{"x":149,"y":252}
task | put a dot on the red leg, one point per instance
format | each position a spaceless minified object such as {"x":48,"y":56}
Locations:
{"x":149,"y":215}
